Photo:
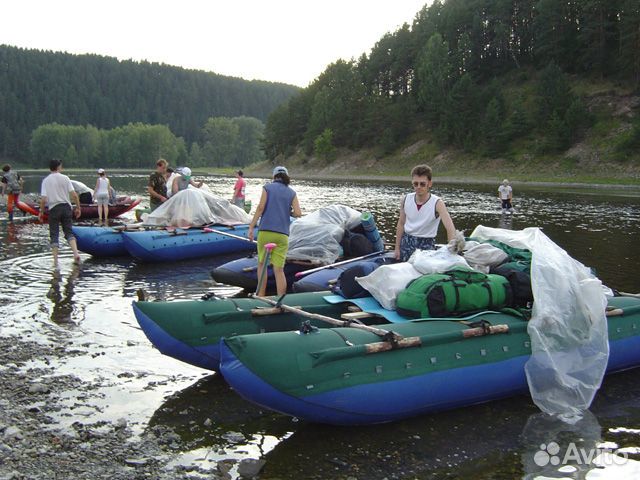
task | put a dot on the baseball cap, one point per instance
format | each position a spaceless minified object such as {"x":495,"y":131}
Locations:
{"x":280,"y":169}
{"x":101,"y":170}
{"x":185,"y":171}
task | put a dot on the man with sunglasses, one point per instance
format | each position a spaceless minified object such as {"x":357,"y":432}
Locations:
{"x":157,"y":187}
{"x":420,"y":216}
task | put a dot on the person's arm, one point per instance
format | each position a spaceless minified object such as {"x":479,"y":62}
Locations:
{"x":43,"y":203}
{"x":295,"y":204}
{"x":441,"y":208}
{"x":76,"y":199}
{"x":258,"y":214}
{"x":400,"y":229}
{"x":3,"y":185}
{"x":196,"y":184}
{"x":510,"y":194}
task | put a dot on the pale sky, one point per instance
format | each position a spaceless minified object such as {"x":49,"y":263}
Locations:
{"x":278,"y":40}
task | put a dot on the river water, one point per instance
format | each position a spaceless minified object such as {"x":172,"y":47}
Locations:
{"x":91,"y":306}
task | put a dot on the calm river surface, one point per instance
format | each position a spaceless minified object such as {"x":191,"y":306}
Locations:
{"x":91,"y":305}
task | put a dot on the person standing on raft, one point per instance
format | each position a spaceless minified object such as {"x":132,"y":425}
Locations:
{"x":277,"y":202}
{"x":101,"y":196}
{"x":420,"y":215}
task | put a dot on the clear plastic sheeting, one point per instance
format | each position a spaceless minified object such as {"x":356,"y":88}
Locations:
{"x":316,"y":237}
{"x":568,"y":327}
{"x":195,"y":207}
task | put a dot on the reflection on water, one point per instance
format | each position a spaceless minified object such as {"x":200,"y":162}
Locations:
{"x":62,"y":297}
{"x":89,"y":307}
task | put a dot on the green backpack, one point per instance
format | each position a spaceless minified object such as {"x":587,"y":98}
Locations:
{"x":454,"y":293}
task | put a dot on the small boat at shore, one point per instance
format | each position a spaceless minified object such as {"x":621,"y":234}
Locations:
{"x":87,"y":211}
{"x":348,"y":376}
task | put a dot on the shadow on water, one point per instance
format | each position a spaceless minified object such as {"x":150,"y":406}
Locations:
{"x":497,"y":440}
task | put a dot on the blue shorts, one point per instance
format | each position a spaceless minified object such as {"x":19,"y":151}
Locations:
{"x":409,"y":244}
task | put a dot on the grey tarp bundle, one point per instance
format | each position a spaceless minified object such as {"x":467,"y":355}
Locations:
{"x":195,"y":207}
{"x":568,"y":327}
{"x":316,"y":237}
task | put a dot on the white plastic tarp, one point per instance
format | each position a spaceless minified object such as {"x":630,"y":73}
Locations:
{"x":568,"y":327}
{"x":196,"y":207}
{"x":436,"y":261}
{"x":316,"y":237}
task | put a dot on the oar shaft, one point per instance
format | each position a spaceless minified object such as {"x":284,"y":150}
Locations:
{"x":324,"y":318}
{"x":219,"y":232}
{"x":343,"y":262}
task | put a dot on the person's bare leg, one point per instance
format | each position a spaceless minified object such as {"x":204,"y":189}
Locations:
{"x":54,"y":253}
{"x":99,"y":214}
{"x":281,"y":280}
{"x":74,"y":247}
{"x":106,"y":214}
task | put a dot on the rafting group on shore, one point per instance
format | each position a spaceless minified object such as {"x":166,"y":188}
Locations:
{"x":420,"y":212}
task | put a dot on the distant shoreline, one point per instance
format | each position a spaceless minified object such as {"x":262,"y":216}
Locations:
{"x":350,"y":177}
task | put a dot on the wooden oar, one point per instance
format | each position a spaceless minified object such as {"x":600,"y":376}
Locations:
{"x":341,"y":353}
{"x":343,"y":262}
{"x":333,"y":321}
{"x":237,"y":237}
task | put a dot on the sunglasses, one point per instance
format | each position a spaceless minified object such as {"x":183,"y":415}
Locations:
{"x":419,"y":184}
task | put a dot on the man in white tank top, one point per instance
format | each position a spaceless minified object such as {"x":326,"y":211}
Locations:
{"x":420,"y":216}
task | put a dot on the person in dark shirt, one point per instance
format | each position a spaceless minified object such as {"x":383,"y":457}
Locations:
{"x":11,"y":185}
{"x":157,"y":187}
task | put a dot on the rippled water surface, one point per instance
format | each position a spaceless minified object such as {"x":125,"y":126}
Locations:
{"x":91,"y":304}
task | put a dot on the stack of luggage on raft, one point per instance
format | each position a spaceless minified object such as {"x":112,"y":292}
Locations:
{"x":316,"y":242}
{"x":489,"y":275}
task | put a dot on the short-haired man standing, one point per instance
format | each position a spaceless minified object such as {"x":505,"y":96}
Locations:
{"x":157,"y":187}
{"x":55,"y":191}
{"x":420,"y":216}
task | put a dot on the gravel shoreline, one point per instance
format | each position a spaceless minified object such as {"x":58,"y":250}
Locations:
{"x":34,"y":445}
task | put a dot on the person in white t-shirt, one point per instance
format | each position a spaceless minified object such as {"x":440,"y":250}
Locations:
{"x":55,"y":191}
{"x":420,"y":216}
{"x":505,"y":194}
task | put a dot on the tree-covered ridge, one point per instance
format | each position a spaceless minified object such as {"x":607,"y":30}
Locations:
{"x":452,"y":72}
{"x":42,"y":87}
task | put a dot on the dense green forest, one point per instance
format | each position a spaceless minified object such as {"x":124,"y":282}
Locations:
{"x":223,"y":142}
{"x":42,"y":87}
{"x":491,"y":77}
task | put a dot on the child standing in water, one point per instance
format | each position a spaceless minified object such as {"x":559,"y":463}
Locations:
{"x":102,"y":196}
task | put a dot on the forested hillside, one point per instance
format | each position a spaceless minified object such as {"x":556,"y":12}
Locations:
{"x":42,"y":87}
{"x":494,"y":78}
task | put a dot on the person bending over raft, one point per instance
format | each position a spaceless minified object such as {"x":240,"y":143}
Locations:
{"x":183,"y":180}
{"x":277,"y":201}
{"x":420,"y":215}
